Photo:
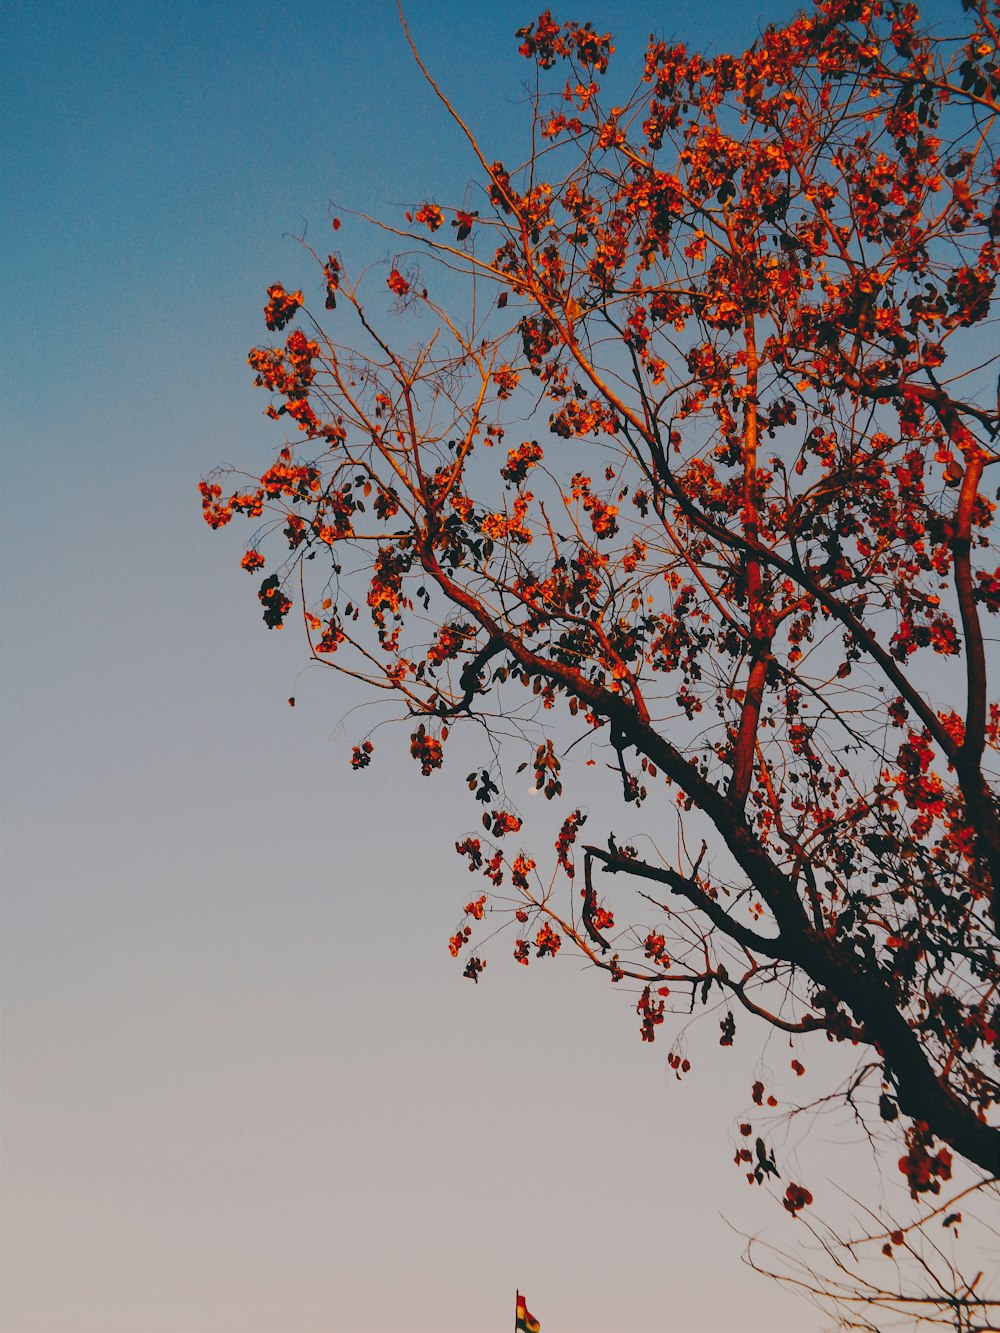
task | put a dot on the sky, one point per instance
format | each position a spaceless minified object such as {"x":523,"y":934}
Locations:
{"x":243,"y":1088}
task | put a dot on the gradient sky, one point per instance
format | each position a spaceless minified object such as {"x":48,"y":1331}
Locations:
{"x":244,"y":1088}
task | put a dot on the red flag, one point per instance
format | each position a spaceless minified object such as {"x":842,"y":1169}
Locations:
{"x":525,"y":1322}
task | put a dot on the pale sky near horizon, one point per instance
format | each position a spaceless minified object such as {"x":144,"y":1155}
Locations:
{"x":243,"y":1088}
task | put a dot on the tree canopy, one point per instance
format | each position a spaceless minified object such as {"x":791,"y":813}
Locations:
{"x":668,"y":448}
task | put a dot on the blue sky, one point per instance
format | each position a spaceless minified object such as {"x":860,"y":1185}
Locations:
{"x":243,"y":1085}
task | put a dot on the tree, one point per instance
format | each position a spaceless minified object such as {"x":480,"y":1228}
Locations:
{"x":749,"y":312}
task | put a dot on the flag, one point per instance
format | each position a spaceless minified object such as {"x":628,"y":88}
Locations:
{"x":525,"y":1322}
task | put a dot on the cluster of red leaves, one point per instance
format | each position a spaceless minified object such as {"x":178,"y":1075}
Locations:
{"x":499,"y":822}
{"x":281,"y":306}
{"x":426,"y":749}
{"x":548,"y":941}
{"x":506,"y":381}
{"x":521,"y":460}
{"x":275,"y":601}
{"x":215,"y":513}
{"x":651,"y":1013}
{"x":546,"y":41}
{"x":361,"y":755}
{"x":567,"y":837}
{"x":924,"y":1168}
{"x":429,"y":215}
{"x":458,"y":939}
{"x":796,"y":1198}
